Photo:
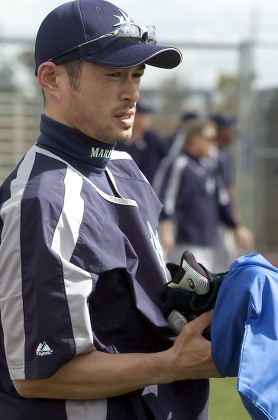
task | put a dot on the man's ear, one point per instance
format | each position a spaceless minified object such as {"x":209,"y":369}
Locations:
{"x":47,"y":76}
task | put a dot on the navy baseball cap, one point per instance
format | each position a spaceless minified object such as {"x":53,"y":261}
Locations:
{"x":99,"y":32}
{"x":143,"y":107}
{"x":223,"y":120}
{"x":190,"y":115}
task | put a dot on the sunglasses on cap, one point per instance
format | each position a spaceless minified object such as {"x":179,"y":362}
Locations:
{"x":126,"y":32}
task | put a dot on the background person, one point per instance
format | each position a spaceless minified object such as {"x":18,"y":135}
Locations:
{"x":174,"y":143}
{"x":145,"y":146}
{"x":193,"y":206}
{"x":230,"y":241}
{"x":173,"y":147}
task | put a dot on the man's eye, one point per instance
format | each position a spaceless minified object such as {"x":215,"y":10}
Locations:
{"x":114,"y":74}
{"x":138,"y":75}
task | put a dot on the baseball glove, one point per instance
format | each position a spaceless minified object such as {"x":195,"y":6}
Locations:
{"x":192,"y":290}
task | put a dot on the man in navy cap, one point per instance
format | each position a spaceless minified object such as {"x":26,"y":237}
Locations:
{"x":174,"y":145}
{"x":229,"y":240}
{"x":145,"y":146}
{"x":225,"y":137}
{"x":81,"y":267}
{"x":175,"y":141}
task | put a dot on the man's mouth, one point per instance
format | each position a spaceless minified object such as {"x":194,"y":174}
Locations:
{"x":125,"y":117}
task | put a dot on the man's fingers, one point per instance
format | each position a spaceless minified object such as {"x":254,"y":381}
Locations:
{"x":202,"y":322}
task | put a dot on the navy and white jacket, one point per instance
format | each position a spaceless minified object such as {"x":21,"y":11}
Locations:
{"x":81,"y":268}
{"x":195,"y":199}
{"x":147,"y":153}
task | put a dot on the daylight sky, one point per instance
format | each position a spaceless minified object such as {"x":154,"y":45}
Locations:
{"x":181,"y":21}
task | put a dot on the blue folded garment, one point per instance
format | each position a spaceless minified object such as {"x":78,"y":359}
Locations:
{"x":244,"y":333}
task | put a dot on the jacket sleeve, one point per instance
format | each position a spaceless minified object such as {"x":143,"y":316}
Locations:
{"x":43,"y":295}
{"x":170,"y":192}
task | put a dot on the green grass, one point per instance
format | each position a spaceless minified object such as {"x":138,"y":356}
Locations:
{"x":225,"y":402}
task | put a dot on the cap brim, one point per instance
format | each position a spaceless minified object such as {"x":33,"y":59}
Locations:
{"x":133,"y":54}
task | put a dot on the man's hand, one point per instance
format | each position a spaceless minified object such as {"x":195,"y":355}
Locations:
{"x":166,"y":234}
{"x":190,"y":355}
{"x":244,"y":237}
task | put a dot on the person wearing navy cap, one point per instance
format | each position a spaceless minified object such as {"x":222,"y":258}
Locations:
{"x":230,"y":241}
{"x":173,"y":146}
{"x":145,"y":146}
{"x":81,"y":266}
{"x":175,"y":141}
{"x":225,"y":137}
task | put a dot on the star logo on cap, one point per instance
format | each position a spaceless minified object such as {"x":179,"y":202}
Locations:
{"x":123,"y":19}
{"x":125,"y":23}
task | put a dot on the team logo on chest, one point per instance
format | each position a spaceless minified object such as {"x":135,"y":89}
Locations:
{"x":157,"y":247}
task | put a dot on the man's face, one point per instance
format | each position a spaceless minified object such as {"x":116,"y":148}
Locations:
{"x":208,"y":140}
{"x":226,"y":135}
{"x":103,"y":104}
{"x":142,"y":123}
